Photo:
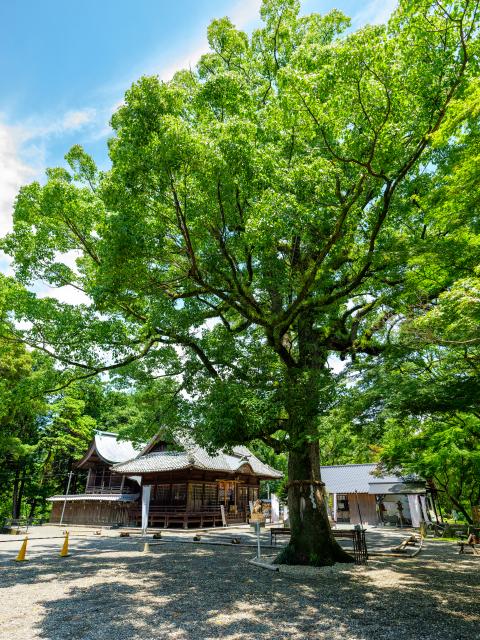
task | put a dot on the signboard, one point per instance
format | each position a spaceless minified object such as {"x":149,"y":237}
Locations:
{"x":145,"y":506}
{"x":275,"y":509}
{"x":257,"y":525}
{"x":224,"y":518}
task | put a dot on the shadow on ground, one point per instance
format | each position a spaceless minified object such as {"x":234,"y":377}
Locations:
{"x":199,"y":592}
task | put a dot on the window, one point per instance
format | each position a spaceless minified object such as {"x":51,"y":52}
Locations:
{"x":226,"y":493}
{"x":102,"y":480}
{"x":179,"y":493}
{"x":196,"y":497}
{"x":221,"y":493}
{"x":162,"y":494}
{"x":210,"y":495}
{"x":243,"y":499}
{"x":343,"y":508}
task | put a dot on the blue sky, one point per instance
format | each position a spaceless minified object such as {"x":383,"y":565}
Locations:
{"x":65,"y":66}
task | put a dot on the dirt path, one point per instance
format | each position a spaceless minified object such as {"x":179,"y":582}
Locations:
{"x":108,"y":590}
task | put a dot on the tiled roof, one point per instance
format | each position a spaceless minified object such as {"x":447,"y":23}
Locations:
{"x":348,"y":478}
{"x":155,"y":462}
{"x":259,"y":467}
{"x":196,"y":457}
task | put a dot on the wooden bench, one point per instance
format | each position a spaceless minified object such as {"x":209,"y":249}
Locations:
{"x":473,"y":548}
{"x":278,"y":531}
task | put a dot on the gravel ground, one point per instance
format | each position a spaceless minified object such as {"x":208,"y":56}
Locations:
{"x":108,"y":590}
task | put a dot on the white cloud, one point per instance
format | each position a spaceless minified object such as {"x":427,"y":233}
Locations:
{"x":73,"y":120}
{"x":335,"y":364}
{"x":68,"y":295}
{"x":22,"y":157}
{"x":66,"y":123}
{"x":185,"y":61}
{"x":22,"y":160}
{"x":375,"y":12}
{"x":15,"y":171}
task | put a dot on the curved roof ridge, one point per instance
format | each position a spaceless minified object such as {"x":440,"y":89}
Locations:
{"x":110,"y":448}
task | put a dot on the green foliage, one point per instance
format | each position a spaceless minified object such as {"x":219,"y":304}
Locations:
{"x":294,"y":196}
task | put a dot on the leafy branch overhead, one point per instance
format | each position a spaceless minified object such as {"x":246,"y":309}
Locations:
{"x":262,"y":211}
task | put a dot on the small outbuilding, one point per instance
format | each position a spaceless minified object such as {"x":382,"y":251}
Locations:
{"x":361,"y":494}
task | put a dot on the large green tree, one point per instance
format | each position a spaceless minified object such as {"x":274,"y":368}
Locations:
{"x":259,"y":216}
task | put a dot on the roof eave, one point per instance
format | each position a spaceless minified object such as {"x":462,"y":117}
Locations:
{"x":88,"y":455}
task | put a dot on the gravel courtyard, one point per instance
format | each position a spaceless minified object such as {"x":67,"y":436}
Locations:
{"x":108,"y":590}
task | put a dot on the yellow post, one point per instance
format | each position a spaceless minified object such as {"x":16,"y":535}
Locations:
{"x":23,"y":551}
{"x":64,"y":552}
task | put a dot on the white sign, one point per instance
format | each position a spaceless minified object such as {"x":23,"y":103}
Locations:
{"x":224,"y":518}
{"x":145,"y":506}
{"x":275,"y":509}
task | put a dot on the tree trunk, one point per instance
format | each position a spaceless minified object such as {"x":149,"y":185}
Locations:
{"x":311,"y":542}
{"x":307,"y":390}
{"x":456,"y":503}
{"x":460,"y":507}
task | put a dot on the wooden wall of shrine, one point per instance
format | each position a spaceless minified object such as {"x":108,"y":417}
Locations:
{"x":192,"y":491}
{"x":91,"y":512}
{"x":196,"y":490}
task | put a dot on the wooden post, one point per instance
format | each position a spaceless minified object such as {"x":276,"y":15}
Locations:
{"x":432,"y":500}
{"x":66,"y":496}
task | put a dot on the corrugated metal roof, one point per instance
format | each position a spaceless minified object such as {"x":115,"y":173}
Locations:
{"x":110,"y":449}
{"x":113,"y":497}
{"x":348,"y":478}
{"x":113,"y":450}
